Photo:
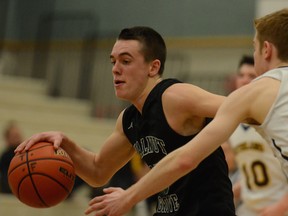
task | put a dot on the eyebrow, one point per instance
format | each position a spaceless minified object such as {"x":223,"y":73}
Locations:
{"x":122,"y":54}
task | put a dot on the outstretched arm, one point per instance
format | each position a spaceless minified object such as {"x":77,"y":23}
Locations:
{"x":95,"y":168}
{"x":172,"y":167}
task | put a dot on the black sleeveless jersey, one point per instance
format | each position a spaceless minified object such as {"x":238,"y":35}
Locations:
{"x":206,"y":190}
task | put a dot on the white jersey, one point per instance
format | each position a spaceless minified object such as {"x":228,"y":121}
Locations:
{"x":275,"y":126}
{"x":262,"y":179}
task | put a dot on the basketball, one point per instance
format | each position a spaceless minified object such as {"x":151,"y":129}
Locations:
{"x":42,"y":176}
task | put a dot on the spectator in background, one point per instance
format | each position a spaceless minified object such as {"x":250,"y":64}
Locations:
{"x":230,"y":83}
{"x":262,"y":186}
{"x":12,"y":137}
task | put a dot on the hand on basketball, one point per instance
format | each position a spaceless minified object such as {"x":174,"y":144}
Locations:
{"x":41,"y":177}
{"x":113,"y":203}
{"x":56,"y":138}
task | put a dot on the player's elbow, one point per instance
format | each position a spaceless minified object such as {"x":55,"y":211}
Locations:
{"x":94,"y":179}
{"x":97,"y":183}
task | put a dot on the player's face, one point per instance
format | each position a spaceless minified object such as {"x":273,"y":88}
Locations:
{"x":245,"y":75}
{"x":130,"y":71}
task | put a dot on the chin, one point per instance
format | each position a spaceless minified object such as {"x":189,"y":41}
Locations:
{"x":120,"y":96}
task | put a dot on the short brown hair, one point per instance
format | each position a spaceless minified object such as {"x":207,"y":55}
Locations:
{"x":274,"y":29}
{"x":153,"y":44}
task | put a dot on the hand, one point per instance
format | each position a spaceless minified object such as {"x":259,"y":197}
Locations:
{"x":56,"y":138}
{"x":113,"y":203}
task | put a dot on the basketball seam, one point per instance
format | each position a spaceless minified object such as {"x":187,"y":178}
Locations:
{"x":32,"y":149}
{"x":58,"y":159}
{"x":43,"y":174}
{"x":32,"y":181}
{"x":30,"y":175}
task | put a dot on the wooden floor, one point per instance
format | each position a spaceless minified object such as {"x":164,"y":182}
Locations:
{"x":11,"y":206}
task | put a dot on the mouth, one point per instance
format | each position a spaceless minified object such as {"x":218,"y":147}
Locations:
{"x":118,"y":82}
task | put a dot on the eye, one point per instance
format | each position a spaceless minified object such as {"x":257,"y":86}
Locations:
{"x":126,"y":61}
{"x":112,"y":62}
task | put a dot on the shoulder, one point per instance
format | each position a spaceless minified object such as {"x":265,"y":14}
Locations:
{"x":179,"y":94}
{"x":248,"y":92}
{"x":192,"y":99}
{"x":252,"y":101}
{"x":190,"y":90}
{"x":183,"y":91}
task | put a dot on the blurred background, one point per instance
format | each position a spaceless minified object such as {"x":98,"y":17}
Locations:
{"x":55,"y":71}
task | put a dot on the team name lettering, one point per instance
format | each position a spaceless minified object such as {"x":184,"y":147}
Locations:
{"x":248,"y":146}
{"x":168,"y":204}
{"x":149,"y":145}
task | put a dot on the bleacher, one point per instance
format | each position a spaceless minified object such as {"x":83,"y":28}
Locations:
{"x":25,"y":100}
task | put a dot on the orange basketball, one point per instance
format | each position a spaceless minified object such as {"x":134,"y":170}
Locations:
{"x":41,"y":177}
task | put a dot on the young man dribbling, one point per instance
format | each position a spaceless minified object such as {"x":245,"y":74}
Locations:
{"x":164,"y":115}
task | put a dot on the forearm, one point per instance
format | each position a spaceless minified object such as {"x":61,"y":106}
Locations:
{"x":165,"y":173}
{"x":177,"y":164}
{"x":84,"y":163}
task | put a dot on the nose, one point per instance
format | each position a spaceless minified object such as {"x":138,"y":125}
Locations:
{"x":115,"y":68}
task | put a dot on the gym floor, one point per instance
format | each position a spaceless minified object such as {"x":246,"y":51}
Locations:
{"x":10,"y":205}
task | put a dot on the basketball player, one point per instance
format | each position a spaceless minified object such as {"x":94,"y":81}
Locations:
{"x":263,"y":185}
{"x":164,"y":115}
{"x":262,"y":103}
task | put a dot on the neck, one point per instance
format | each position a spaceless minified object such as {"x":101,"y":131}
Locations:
{"x":141,"y":99}
{"x":158,"y":80}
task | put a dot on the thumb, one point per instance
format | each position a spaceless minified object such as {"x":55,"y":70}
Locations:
{"x":111,"y":189}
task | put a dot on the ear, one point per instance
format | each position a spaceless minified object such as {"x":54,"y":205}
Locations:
{"x":154,"y":67}
{"x":267,"y":49}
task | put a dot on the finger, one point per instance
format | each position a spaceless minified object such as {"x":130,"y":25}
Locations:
{"x":57,"y":143}
{"x":111,"y":189}
{"x":97,"y":208}
{"x":89,"y":210}
{"x":25,"y":145}
{"x":96,"y":199}
{"x":30,"y":142}
{"x":20,"y":147}
{"x":53,"y":137}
